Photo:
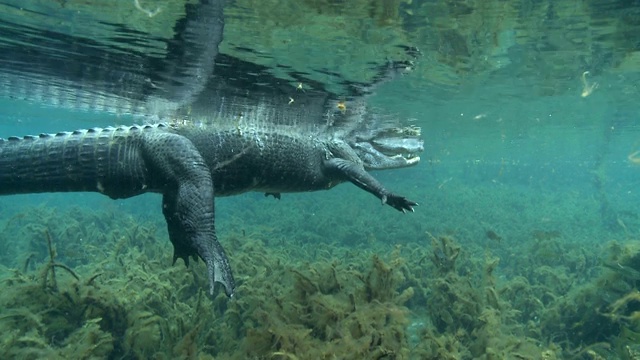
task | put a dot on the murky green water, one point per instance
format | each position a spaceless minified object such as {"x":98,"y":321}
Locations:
{"x":524,"y":245}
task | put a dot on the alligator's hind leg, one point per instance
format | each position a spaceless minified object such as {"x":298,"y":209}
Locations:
{"x":177,"y":168}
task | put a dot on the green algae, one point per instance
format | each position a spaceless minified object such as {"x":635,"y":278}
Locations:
{"x":84,"y":284}
{"x":127,"y":302}
{"x":604,"y":312}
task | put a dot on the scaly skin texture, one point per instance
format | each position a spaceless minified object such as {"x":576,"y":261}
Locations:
{"x":189,"y":165}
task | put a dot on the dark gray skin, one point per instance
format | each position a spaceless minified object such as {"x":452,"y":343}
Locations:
{"x":190,"y":165}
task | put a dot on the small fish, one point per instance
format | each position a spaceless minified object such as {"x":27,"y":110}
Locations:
{"x":492,"y":235}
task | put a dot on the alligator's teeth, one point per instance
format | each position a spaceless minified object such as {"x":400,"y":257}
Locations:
{"x":414,"y":160}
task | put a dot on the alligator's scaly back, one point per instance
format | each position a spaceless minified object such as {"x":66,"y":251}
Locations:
{"x":83,"y":160}
{"x":302,"y":111}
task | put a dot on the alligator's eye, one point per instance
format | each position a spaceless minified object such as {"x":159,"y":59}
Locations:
{"x":342,"y":106}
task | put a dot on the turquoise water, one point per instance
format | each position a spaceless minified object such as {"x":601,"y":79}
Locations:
{"x":526,"y":160}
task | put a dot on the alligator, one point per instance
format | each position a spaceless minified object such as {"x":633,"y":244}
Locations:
{"x":204,"y":136}
{"x":190,"y":163}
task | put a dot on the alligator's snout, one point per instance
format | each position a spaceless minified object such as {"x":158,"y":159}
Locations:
{"x":390,"y":148}
{"x":399,"y":146}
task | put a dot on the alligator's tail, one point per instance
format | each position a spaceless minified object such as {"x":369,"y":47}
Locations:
{"x":104,"y":160}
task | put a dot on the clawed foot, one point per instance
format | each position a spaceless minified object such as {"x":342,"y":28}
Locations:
{"x":399,"y":203}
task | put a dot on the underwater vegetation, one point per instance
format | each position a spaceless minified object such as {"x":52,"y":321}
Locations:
{"x":126,"y":302}
{"x":99,"y":285}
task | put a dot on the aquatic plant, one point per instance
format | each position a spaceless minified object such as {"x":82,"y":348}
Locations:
{"x":86,"y":284}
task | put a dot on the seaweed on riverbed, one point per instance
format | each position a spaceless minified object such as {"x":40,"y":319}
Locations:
{"x":461,"y":312}
{"x":131,"y":303}
{"x":118,"y":305}
{"x":320,"y":310}
{"x":603,"y":314}
{"x":435,"y":299}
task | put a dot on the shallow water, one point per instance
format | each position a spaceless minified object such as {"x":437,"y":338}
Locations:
{"x":528,"y":111}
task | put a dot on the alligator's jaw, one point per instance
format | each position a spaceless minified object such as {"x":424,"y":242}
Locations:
{"x":389,"y":148}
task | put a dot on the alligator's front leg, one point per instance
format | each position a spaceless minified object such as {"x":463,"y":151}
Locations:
{"x":356,"y":173}
{"x":178,"y":169}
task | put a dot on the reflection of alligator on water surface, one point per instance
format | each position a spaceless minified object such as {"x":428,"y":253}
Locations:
{"x":163,"y":77}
